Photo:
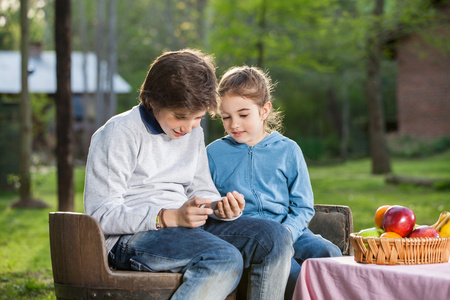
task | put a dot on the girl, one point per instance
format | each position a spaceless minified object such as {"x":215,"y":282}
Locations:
{"x":266,"y":167}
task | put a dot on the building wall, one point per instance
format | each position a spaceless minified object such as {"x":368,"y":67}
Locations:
{"x":423,"y":85}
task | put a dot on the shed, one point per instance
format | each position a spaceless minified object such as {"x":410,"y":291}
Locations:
{"x":42,"y":80}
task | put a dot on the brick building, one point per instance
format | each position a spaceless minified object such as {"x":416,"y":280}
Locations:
{"x":423,"y":83}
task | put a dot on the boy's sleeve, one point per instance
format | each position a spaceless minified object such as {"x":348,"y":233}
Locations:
{"x":202,"y":185}
{"x":301,"y":198}
{"x":111,"y":161}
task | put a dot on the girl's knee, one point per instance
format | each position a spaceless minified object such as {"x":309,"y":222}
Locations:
{"x":281,"y":240}
{"x":329,"y":249}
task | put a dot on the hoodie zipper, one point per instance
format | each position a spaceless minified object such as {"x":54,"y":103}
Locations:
{"x":250,"y":153}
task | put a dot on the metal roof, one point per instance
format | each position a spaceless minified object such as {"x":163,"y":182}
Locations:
{"x":42,"y":78}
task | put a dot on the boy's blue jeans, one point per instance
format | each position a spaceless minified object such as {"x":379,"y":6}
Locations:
{"x":212,"y":257}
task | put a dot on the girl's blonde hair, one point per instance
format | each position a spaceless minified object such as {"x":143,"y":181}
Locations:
{"x":255,"y":84}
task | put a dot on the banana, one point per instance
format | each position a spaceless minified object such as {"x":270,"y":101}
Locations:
{"x":444,"y":227}
{"x":442,"y":216}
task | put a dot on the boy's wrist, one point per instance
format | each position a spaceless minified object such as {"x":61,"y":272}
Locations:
{"x":159,"y":220}
{"x":168,"y":219}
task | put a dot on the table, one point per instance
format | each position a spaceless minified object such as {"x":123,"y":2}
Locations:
{"x":343,"y":278}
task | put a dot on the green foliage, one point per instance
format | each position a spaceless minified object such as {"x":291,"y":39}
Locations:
{"x":314,"y":49}
{"x":43,"y":114}
{"x":39,"y":19}
{"x":9,"y":27}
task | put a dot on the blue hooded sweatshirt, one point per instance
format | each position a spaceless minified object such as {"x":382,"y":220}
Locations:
{"x":272,"y":176}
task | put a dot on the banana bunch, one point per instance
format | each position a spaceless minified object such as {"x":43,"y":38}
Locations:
{"x":443,"y":224}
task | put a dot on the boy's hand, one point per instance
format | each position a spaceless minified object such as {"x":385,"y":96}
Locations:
{"x":231,"y":206}
{"x":192,"y":214}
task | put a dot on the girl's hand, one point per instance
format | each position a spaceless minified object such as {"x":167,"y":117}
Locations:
{"x":231,"y":206}
{"x":190,"y":215}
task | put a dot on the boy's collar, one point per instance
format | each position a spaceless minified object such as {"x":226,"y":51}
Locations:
{"x":150,"y":121}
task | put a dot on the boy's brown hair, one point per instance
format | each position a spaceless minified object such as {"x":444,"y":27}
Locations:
{"x":183,"y":79}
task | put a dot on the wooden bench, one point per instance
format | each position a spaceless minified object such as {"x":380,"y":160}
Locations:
{"x":80,"y":262}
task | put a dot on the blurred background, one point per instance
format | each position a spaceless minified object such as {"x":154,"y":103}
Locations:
{"x":364,"y":86}
{"x":340,"y":66}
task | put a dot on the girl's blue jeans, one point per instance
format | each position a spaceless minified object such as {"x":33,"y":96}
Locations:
{"x":212,"y":257}
{"x":308,"y":245}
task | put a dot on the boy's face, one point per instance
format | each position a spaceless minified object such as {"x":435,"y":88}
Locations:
{"x":177,"y":123}
{"x":243,"y":119}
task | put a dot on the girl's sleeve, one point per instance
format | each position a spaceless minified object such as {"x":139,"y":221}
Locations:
{"x":111,"y":161}
{"x":301,"y":198}
{"x":212,"y":165}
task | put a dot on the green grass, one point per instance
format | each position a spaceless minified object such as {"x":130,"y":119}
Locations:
{"x":352,"y":184}
{"x":25,"y":267}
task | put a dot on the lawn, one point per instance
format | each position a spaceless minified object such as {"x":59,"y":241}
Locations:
{"x":25,"y":267}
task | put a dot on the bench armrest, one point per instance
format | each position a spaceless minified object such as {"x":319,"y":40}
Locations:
{"x":334,"y":223}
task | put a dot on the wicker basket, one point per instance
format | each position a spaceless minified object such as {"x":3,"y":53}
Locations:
{"x":400,"y":251}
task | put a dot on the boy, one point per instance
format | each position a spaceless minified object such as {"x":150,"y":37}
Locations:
{"x":149,"y":186}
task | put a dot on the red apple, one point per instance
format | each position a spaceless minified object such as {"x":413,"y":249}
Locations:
{"x":424,"y":231}
{"x":399,"y":219}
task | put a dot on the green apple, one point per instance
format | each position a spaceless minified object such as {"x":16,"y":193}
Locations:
{"x":371,"y":232}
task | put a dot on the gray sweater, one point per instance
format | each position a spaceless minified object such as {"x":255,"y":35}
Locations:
{"x":132,"y":172}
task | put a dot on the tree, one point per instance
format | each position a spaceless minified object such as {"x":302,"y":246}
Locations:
{"x":100,"y":110}
{"x":106,"y":51}
{"x":112,"y":57}
{"x":63,"y":102}
{"x":85,"y":138}
{"x":26,"y":134}
{"x":377,"y":139}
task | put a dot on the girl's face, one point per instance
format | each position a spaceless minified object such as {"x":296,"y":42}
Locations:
{"x":243,"y":119}
{"x":177,"y":123}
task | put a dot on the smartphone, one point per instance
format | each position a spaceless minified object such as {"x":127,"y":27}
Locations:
{"x":213,"y":204}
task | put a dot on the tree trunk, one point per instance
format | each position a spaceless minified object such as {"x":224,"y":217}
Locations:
{"x":112,"y":58}
{"x":64,"y":114}
{"x":202,"y":21}
{"x":345,"y":118}
{"x":25,"y":108}
{"x":86,"y":132}
{"x":378,"y":145}
{"x":26,"y":133}
{"x":100,"y":94}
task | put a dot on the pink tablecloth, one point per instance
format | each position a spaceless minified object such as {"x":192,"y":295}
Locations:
{"x":343,"y":278}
